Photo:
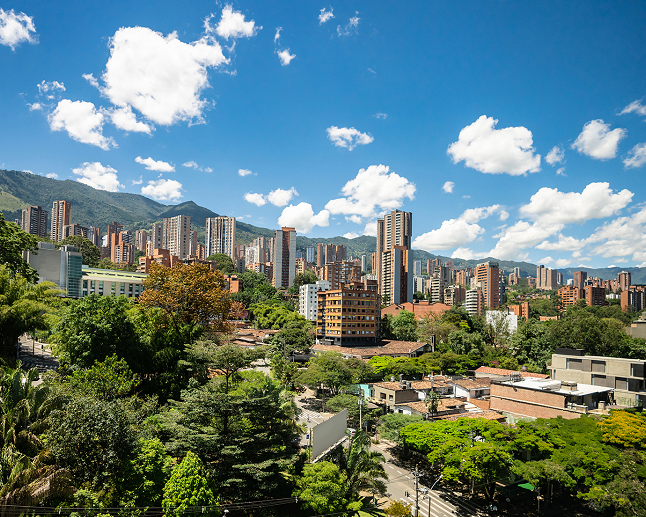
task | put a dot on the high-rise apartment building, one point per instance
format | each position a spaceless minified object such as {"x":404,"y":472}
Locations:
{"x":284,"y":257}
{"x":309,"y":254}
{"x":417,"y":267}
{"x":320,"y":256}
{"x":348,"y":317}
{"x":595,"y":295}
{"x":439,"y":282}
{"x":341,"y":253}
{"x":579,"y":279}
{"x":330,"y":253}
{"x":262,"y":243}
{"x":454,"y":294}
{"x":61,"y":216}
{"x":546,"y":279}
{"x":221,"y":236}
{"x":487,"y":275}
{"x":338,"y":273}
{"x":394,"y":230}
{"x":34,"y":221}
{"x":633,"y":298}
{"x":364,"y":263}
{"x":156,"y":236}
{"x":252,"y":256}
{"x":192,"y":243}
{"x":474,"y":301}
{"x":570,"y":294}
{"x":307,"y":299}
{"x":397,"y":275}
{"x":624,"y":280}
{"x":141,"y":239}
{"x":121,"y":250}
{"x":176,"y":235}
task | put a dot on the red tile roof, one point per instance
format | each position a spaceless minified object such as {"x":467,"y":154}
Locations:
{"x":468,"y":384}
{"x":502,"y":372}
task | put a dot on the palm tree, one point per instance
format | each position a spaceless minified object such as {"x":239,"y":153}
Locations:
{"x":363,"y":468}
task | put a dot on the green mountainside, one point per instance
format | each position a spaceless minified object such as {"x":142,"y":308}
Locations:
{"x":91,"y":207}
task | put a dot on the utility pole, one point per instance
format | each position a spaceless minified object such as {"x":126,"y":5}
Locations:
{"x":360,"y":405}
{"x":416,"y":492}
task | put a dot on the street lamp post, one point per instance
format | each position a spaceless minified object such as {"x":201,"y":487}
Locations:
{"x":360,"y":405}
{"x":429,"y":495}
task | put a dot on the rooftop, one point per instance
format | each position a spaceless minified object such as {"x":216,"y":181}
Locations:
{"x":415,"y":385}
{"x":442,"y":405}
{"x":560,"y":387}
{"x":503,"y":372}
{"x":468,"y":384}
{"x":487,"y":415}
{"x":385,"y":347}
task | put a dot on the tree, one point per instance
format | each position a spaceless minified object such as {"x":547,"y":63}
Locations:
{"x":187,"y":487}
{"x":624,"y":429}
{"x":531,"y":344}
{"x":322,"y":487}
{"x":432,"y":325}
{"x":404,"y":326}
{"x":91,"y":253}
{"x":108,"y":380}
{"x":399,"y":509}
{"x":277,"y":316}
{"x":433,"y":402}
{"x":223,"y":263}
{"x":290,"y":340}
{"x":306,"y":277}
{"x":145,"y":475}
{"x":392,"y":423}
{"x":24,"y":307}
{"x":330,"y":370}
{"x":190,"y":294}
{"x":95,"y":327}
{"x":350,"y":402}
{"x":13,"y":241}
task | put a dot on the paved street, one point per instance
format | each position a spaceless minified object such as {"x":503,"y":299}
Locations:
{"x":35,"y":354}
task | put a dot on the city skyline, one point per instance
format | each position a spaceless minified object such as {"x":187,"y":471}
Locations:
{"x":527,"y":151}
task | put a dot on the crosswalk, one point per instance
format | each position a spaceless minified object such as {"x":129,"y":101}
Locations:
{"x":444,"y":505}
{"x":311,"y":416}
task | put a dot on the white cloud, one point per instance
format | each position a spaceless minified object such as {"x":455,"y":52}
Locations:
{"x":456,"y":232}
{"x":371,"y":229}
{"x":163,"y":190}
{"x":244,"y":172}
{"x":561,"y":171}
{"x":302,"y":217}
{"x":125,"y":119}
{"x":564,"y":243}
{"x":495,"y":151}
{"x":546,"y":260}
{"x":556,"y":155}
{"x":382,"y":116}
{"x":153,"y":165}
{"x":325,"y":15}
{"x":281,"y":197}
{"x":348,"y":137}
{"x":159,"y":76}
{"x":353,"y":219}
{"x":373,"y":187}
{"x":82,"y":122}
{"x":519,"y":236}
{"x":285,"y":57}
{"x":504,"y":215}
{"x":452,"y":233}
{"x":465,"y":253}
{"x":137,"y":182}
{"x":16,"y":29}
{"x":597,"y":141}
{"x":351,"y":235}
{"x":98,"y":176}
{"x":466,"y":196}
{"x":232,"y":25}
{"x":256,"y":199}
{"x":91,"y":79}
{"x":634,"y":107}
{"x":194,"y":165}
{"x":52,"y":175}
{"x":622,"y":237}
{"x":51,"y":86}
{"x":562,"y":262}
{"x":448,"y":187}
{"x":277,"y":36}
{"x":350,"y":28}
{"x":549,"y":206}
{"x":36,"y":106}
{"x":636,"y":156}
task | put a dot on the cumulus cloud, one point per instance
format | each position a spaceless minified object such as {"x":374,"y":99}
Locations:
{"x":233,"y":25}
{"x":597,"y":141}
{"x":370,"y":229}
{"x":302,"y":217}
{"x":192,"y":164}
{"x":16,"y":28}
{"x":52,"y":175}
{"x":372,"y":188}
{"x":98,"y":176}
{"x":256,"y":199}
{"x":325,"y":15}
{"x":519,"y":236}
{"x":159,"y":76}
{"x":153,"y":165}
{"x":561,"y":171}
{"x":636,"y":156}
{"x":163,"y":190}
{"x":351,"y":235}
{"x":353,"y":219}
{"x":82,"y":122}
{"x":549,"y":206}
{"x":348,"y":137}
{"x":621,"y":237}
{"x":137,"y":182}
{"x":46,"y":87}
{"x":91,"y":79}
{"x":382,"y":116}
{"x":495,"y":151}
{"x":448,"y":187}
{"x":634,"y":107}
{"x":244,"y":172}
{"x":456,"y":232}
{"x":466,"y":254}
{"x":281,"y":197}
{"x":36,"y":106}
{"x":564,"y":243}
{"x":350,"y":27}
{"x":125,"y":119}
{"x":285,"y":57}
{"x":556,"y":155}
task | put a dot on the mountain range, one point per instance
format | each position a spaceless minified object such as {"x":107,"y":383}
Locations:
{"x":92,"y":207}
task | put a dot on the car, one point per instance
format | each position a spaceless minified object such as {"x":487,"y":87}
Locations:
{"x":351,"y":431}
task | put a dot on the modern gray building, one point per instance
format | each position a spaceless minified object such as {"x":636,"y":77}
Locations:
{"x":63,"y":266}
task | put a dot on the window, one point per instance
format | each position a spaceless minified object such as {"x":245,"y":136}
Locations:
{"x":621,"y":383}
{"x":574,"y":364}
{"x":598,"y":366}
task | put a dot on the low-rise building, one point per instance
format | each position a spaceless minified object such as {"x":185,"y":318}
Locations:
{"x":471,"y":389}
{"x":307,"y":298}
{"x":500,"y":374}
{"x":112,"y":282}
{"x":445,"y":407}
{"x":626,"y":377}
{"x":420,"y":309}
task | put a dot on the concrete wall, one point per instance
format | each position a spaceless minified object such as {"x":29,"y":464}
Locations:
{"x":531,"y":403}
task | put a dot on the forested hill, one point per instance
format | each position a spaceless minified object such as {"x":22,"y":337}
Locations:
{"x":91,"y":207}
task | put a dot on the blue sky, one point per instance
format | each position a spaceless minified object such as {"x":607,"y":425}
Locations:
{"x":509,"y":129}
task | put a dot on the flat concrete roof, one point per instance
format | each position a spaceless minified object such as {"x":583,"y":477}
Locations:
{"x":601,"y":358}
{"x":557,"y":387}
